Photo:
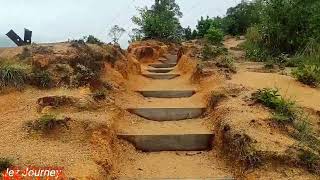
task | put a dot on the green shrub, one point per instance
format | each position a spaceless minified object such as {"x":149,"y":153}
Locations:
{"x":252,"y":45}
{"x":211,"y":51}
{"x":254,"y":52}
{"x":294,"y":62}
{"x":83,"y":76}
{"x":228,"y":63}
{"x":41,"y":79}
{"x":268,"y":97}
{"x":311,"y":160}
{"x":214,"y":35}
{"x":78,"y":43}
{"x":93,"y":40}
{"x":47,"y":123}
{"x":269,"y":64}
{"x":12,"y":75}
{"x":308,"y":74}
{"x":303,"y":127}
{"x":4,"y":164}
{"x":284,"y":109}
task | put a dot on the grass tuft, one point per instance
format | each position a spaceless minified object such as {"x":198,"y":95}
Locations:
{"x":4,"y":164}
{"x":47,"y":123}
{"x":41,"y":79}
{"x":284,"y":109}
{"x":99,"y":95}
{"x":227,"y":62}
{"x":13,"y":75}
{"x":310,"y":160}
{"x":308,"y":74}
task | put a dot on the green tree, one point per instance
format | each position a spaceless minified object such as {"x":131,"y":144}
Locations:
{"x":116,"y":32}
{"x":203,"y":26}
{"x":188,"y":33}
{"x":92,"y":40}
{"x":135,"y":35}
{"x":194,"y":34}
{"x":161,"y":21}
{"x":288,"y":25}
{"x":241,"y":17}
{"x":214,"y":35}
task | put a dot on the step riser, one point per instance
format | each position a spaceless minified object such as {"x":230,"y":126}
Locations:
{"x":161,"y":76}
{"x":168,"y":61}
{"x":167,"y":94}
{"x":184,"y":142}
{"x":162,"y":65}
{"x":168,"y":114}
{"x":159,"y":70}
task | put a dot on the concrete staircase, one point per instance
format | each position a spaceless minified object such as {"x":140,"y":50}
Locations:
{"x":185,"y":139}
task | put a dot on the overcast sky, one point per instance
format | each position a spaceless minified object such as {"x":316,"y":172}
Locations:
{"x":60,"y":20}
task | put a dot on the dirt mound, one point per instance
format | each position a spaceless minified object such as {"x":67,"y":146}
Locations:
{"x":148,"y":51}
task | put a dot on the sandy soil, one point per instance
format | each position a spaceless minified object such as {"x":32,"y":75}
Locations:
{"x":189,"y":165}
{"x":288,"y":87}
{"x":232,"y":45}
{"x":66,"y":148}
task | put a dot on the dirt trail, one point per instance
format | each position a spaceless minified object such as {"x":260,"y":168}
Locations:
{"x":166,"y":164}
{"x":305,"y":96}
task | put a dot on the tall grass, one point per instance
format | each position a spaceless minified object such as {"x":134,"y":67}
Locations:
{"x":308,"y":71}
{"x":253,"y":45}
{"x":13,"y":75}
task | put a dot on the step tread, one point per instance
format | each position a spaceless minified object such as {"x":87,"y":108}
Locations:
{"x":170,"y":142}
{"x":141,"y":126}
{"x":161,"y":75}
{"x":167,"y":114}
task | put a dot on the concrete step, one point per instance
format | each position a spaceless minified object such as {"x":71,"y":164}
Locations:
{"x":161,"y":76}
{"x":165,"y":61}
{"x":168,"y":93}
{"x":170,"y":142}
{"x":167,"y":114}
{"x":160,"y":70}
{"x":166,"y":65}
{"x":172,"y":58}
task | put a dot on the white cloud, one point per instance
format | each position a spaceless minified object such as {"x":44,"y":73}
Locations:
{"x":60,"y":20}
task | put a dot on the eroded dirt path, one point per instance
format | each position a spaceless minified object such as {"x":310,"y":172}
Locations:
{"x":183,"y":149}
